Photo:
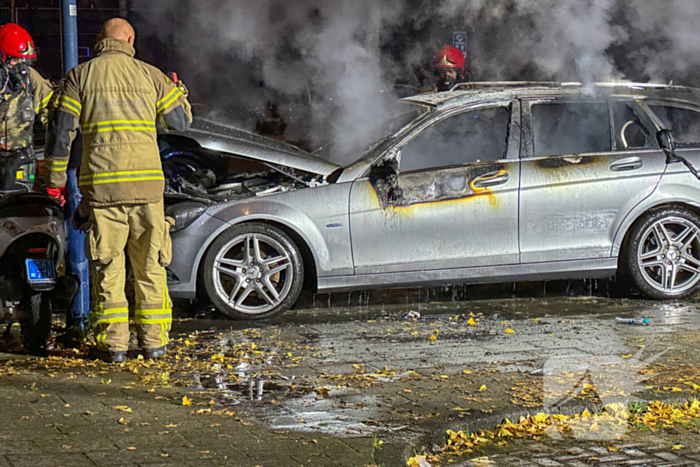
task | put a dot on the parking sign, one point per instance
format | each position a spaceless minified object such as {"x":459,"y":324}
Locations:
{"x":459,"y":41}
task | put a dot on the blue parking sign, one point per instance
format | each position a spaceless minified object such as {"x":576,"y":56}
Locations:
{"x":459,"y":41}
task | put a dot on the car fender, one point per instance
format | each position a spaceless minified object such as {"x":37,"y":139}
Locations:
{"x":665,"y":193}
{"x":266,"y":209}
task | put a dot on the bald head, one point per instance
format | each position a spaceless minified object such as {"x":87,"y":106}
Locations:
{"x":117,"y":28}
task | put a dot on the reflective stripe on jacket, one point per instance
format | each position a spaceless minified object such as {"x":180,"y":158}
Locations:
{"x":43,"y":91}
{"x":117,"y":100}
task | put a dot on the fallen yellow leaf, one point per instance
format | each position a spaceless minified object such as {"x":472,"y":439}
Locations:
{"x":509,"y":331}
{"x":433,"y":337}
{"x":186,"y":401}
{"x":466,"y":372}
{"x":482,"y":388}
{"x":471,"y":322}
{"x":678,"y":446}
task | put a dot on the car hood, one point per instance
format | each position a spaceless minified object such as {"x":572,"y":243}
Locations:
{"x":219,"y":137}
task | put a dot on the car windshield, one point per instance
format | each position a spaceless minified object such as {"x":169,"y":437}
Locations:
{"x":372,"y":132}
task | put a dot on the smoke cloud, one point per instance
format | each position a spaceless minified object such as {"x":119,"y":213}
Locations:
{"x":333,"y":64}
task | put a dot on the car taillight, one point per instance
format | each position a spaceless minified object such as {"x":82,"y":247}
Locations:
{"x":37,"y":251}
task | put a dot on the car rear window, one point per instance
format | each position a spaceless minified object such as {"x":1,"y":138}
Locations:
{"x":684,"y":123}
{"x":475,"y":136}
{"x":630,"y":131}
{"x":571,"y":128}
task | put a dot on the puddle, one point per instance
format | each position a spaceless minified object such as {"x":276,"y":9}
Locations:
{"x":332,"y":416}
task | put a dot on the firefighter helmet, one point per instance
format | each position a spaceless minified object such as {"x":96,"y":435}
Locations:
{"x":448,"y":57}
{"x":16,"y":42}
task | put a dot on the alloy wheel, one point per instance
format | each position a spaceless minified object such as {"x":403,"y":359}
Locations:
{"x":668,"y":255}
{"x":253,"y":273}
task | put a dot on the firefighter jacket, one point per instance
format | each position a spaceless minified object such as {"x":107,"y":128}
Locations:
{"x":24,"y":97}
{"x":116,"y":99}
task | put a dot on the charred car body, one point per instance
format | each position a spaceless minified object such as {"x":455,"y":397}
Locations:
{"x":490,"y":182}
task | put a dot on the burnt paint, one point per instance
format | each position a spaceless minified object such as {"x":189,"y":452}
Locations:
{"x":560,"y":162}
{"x":428,"y":187}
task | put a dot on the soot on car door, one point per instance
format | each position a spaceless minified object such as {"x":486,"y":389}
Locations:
{"x":584,"y":168}
{"x":445,"y":197}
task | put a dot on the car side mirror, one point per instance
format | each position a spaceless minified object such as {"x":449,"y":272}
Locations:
{"x":667,"y":143}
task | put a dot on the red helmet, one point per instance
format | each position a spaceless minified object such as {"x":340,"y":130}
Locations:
{"x":15,"y":41}
{"x":448,"y":57}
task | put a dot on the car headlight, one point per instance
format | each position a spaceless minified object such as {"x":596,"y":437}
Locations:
{"x":185,"y":213}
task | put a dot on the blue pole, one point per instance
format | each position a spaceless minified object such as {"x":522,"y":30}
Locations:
{"x":69,"y":9}
{"x":75,"y":256}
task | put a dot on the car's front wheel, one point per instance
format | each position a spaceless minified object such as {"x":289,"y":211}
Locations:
{"x":662,"y":253}
{"x":253,"y":271}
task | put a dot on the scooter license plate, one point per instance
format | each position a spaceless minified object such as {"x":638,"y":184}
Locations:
{"x":40,"y":270}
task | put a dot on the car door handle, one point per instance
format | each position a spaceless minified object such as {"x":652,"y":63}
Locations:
{"x":491,"y":179}
{"x":631,"y":163}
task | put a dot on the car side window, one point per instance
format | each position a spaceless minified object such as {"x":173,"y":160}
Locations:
{"x":630,"y":131}
{"x":570,"y":128}
{"x":474,"y":136}
{"x":684,"y":123}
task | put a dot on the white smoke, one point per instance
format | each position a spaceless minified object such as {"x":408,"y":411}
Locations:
{"x":341,"y":58}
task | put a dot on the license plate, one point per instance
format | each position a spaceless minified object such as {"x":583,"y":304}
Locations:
{"x":40,"y":270}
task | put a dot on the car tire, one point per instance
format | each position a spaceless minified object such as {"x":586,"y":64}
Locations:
{"x":253,"y":271}
{"x":35,"y":321}
{"x":662,"y":253}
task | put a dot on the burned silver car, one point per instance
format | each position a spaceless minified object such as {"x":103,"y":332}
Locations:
{"x":489,"y":182}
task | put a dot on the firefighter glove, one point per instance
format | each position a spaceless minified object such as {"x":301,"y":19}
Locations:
{"x":59,"y":194}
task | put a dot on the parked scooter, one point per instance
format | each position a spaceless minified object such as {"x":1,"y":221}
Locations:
{"x":32,"y":244}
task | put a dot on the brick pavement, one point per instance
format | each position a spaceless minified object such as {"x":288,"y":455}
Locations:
{"x":69,"y":419}
{"x":638,"y":449}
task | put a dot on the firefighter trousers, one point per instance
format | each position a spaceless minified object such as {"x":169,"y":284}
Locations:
{"x":140,"y":229}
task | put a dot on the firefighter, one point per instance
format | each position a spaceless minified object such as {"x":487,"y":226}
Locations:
{"x":117,"y":100}
{"x":24,"y":97}
{"x":273,"y":125}
{"x":448,"y":65}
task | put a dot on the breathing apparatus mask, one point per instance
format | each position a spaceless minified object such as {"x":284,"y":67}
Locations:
{"x":14,"y":78}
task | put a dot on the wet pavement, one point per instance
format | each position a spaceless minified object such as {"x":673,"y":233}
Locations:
{"x":359,"y":385}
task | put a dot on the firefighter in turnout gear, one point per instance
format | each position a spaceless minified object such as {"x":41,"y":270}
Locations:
{"x":24,"y":97}
{"x":117,"y":100}
{"x":448,"y":65}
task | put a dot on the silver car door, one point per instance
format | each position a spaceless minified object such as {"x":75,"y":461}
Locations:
{"x":416,"y":210}
{"x":586,"y":165}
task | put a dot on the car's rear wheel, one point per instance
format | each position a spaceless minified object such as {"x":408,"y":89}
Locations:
{"x":253,"y":271}
{"x":662,"y":254}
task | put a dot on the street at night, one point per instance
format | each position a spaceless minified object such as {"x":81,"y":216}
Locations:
{"x":370,"y":385}
{"x":349,"y":233}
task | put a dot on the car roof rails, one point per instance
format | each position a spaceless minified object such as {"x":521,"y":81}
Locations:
{"x":509,"y":84}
